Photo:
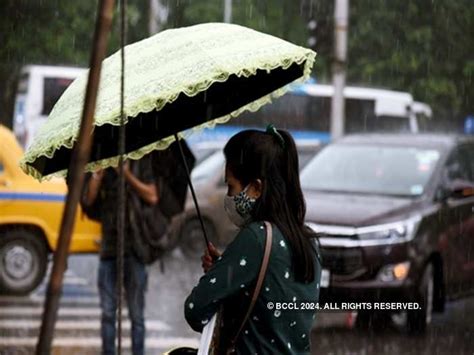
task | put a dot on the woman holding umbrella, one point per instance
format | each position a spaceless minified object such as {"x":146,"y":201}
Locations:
{"x":263,"y":185}
{"x":166,"y":99}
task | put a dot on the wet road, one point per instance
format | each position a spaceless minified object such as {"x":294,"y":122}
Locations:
{"x":78,"y":324}
{"x":451,"y":332}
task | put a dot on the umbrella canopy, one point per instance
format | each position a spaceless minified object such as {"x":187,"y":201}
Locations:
{"x":193,"y":77}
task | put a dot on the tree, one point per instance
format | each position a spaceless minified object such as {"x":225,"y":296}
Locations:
{"x":421,"y":46}
{"x":55,"y":32}
{"x":47,"y":32}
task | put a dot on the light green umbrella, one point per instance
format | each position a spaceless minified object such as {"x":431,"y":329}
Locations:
{"x":180,"y":80}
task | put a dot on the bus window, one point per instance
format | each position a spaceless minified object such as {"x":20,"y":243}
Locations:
{"x":296,"y":112}
{"x":313,"y":113}
{"x":318,"y":113}
{"x":288,"y":111}
{"x":359,"y":115}
{"x":53,"y":88}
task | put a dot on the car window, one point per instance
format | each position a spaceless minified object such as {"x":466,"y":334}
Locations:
{"x":459,"y":165}
{"x":304,"y":156}
{"x":384,"y":170}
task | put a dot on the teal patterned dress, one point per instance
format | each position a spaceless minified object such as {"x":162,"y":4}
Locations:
{"x":230,"y":282}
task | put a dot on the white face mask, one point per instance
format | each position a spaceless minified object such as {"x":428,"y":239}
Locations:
{"x":238,"y":207}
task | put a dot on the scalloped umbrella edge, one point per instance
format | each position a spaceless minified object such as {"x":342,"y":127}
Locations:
{"x":222,"y":83}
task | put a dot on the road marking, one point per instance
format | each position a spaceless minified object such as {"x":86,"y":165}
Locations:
{"x":88,"y":342}
{"x":69,"y":278}
{"x":40,"y":300}
{"x":65,"y":311}
{"x":151,"y":325}
{"x":75,"y":280}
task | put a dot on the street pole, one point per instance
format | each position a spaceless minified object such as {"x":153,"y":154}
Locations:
{"x":153,"y":17}
{"x":228,"y":11}
{"x":157,"y":16}
{"x":339,"y":68}
{"x":79,"y":159}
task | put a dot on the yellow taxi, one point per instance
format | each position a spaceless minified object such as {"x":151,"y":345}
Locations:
{"x":30,"y":217}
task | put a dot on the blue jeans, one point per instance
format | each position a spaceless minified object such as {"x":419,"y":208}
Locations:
{"x":135,"y":280}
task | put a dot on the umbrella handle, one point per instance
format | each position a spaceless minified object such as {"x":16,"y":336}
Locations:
{"x":188,"y":175}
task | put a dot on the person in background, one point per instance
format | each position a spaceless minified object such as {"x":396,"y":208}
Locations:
{"x":263,"y":185}
{"x":104,"y":186}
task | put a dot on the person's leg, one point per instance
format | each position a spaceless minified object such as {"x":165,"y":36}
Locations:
{"x":108,"y":304}
{"x":135,"y":281}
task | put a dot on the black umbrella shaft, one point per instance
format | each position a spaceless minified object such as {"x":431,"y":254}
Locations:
{"x":191,"y":187}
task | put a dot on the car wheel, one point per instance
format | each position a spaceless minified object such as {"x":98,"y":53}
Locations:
{"x":192,"y":239}
{"x":418,"y":320}
{"x":23,"y":260}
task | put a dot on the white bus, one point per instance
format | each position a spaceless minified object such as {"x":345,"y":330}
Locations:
{"x":39,"y":88}
{"x":307,"y":107}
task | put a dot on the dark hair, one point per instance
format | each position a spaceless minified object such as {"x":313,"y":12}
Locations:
{"x":252,"y":155}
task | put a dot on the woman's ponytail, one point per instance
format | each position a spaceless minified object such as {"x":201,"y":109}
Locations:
{"x":291,"y":173}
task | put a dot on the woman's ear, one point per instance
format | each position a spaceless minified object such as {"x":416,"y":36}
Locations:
{"x":255,"y":189}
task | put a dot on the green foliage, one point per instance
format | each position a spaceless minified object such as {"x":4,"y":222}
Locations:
{"x":422,"y":46}
{"x":281,"y":18}
{"x":45,"y":31}
{"x":55,"y":32}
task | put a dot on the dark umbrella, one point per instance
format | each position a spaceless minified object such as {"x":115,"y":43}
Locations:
{"x":178,"y":81}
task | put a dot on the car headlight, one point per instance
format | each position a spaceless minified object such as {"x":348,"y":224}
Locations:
{"x":394,"y":272}
{"x":404,"y":229}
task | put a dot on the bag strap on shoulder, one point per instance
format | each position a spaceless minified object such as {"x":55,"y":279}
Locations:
{"x":261,"y":276}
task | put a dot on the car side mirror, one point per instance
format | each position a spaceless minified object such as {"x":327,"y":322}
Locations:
{"x":460,"y":189}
